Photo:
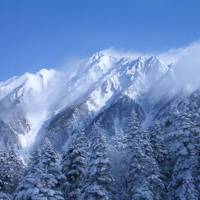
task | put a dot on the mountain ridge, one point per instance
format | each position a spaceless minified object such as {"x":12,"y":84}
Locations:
{"x":104,"y":76}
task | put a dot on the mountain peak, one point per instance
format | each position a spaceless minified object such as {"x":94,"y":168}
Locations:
{"x":101,"y":78}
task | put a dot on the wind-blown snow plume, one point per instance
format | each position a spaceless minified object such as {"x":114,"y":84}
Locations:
{"x":185,"y":64}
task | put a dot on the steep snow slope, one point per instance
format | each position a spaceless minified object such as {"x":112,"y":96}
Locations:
{"x":27,"y":84}
{"x":24,"y":103}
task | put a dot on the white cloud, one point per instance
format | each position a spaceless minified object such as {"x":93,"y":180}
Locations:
{"x":186,"y":64}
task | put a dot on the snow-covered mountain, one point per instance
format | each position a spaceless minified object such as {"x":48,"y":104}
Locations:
{"x":30,"y":100}
{"x":126,"y":114}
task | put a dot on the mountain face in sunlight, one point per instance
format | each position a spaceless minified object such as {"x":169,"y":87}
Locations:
{"x":29,"y":101}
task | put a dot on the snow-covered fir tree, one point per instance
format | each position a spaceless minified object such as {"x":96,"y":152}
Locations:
{"x":11,"y":170}
{"x":180,"y":134}
{"x":74,"y":163}
{"x":159,"y":148}
{"x":28,"y":187}
{"x":44,"y":178}
{"x":4,"y":196}
{"x":143,"y":176}
{"x":99,"y":183}
{"x":161,"y":153}
{"x":184,"y":149}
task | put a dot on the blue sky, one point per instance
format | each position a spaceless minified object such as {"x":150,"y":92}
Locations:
{"x":45,"y":33}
